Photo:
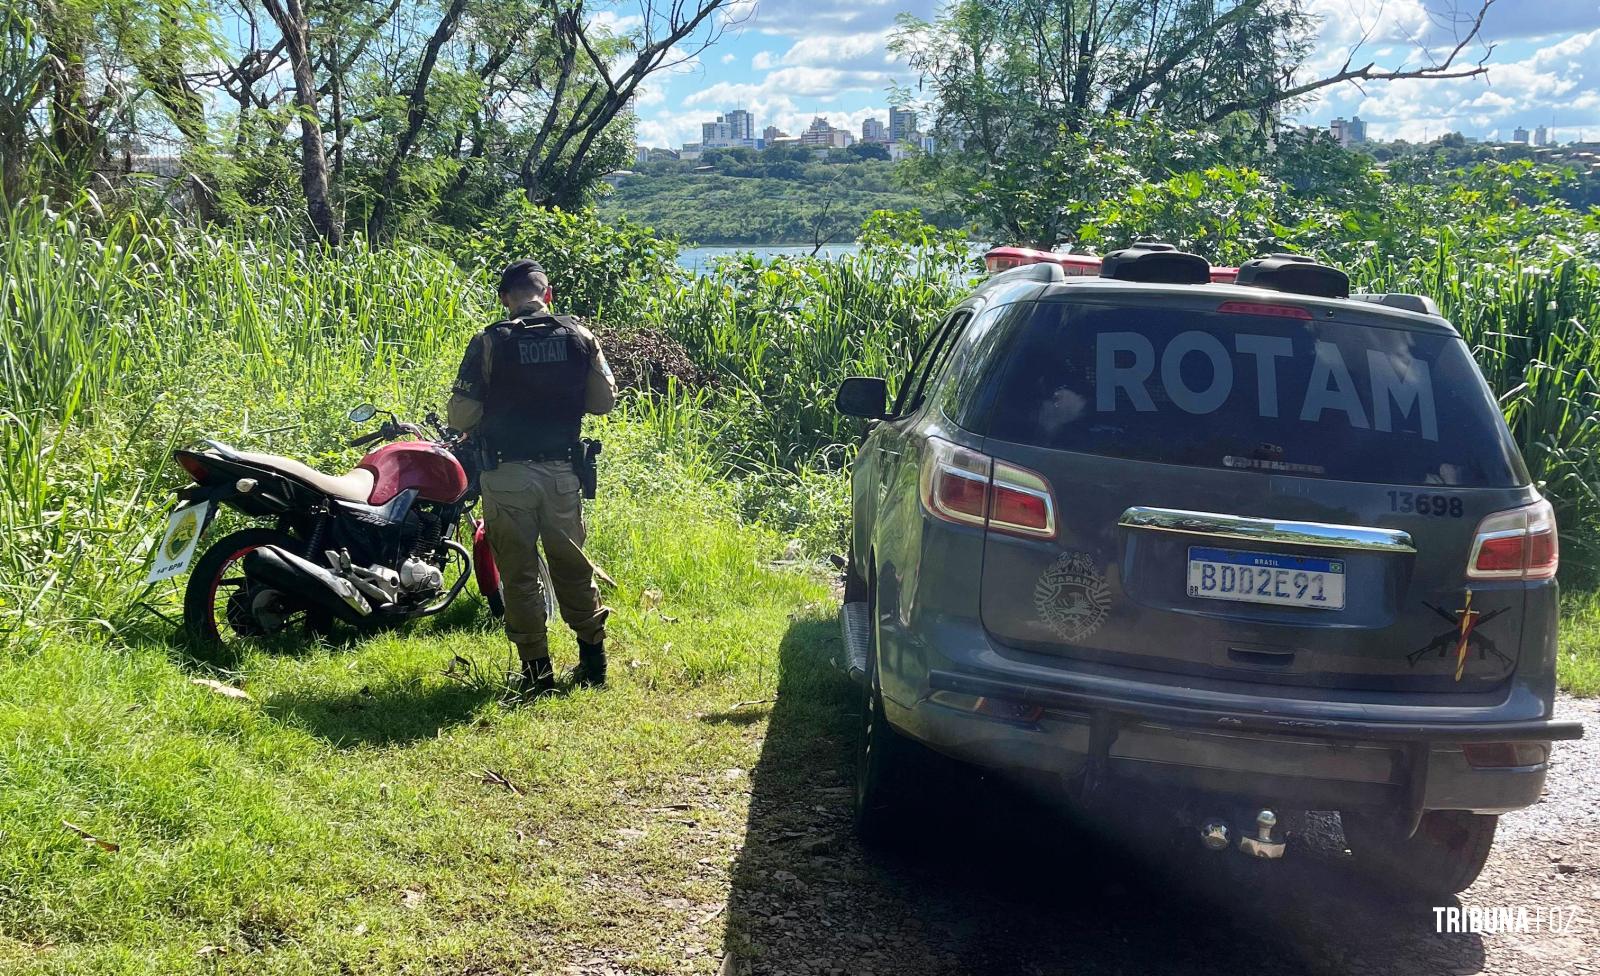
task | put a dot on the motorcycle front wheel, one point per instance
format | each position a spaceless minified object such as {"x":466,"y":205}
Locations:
{"x":219,"y":601}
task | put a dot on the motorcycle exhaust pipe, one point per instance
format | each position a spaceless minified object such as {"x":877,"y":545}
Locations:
{"x":297,"y":577}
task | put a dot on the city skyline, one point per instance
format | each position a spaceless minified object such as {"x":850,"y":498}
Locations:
{"x":786,"y":64}
{"x":722,"y":133}
{"x":737,"y":127}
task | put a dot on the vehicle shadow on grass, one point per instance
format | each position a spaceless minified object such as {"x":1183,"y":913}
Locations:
{"x":989,"y":879}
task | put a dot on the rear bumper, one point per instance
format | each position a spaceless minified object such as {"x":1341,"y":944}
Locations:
{"x":1260,"y":722}
{"x":1085,"y":727}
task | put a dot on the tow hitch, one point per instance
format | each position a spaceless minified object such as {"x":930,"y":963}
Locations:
{"x":1262,"y":845}
{"x":1215,"y":836}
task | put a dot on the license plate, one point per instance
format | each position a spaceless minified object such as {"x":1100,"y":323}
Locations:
{"x":179,"y":541}
{"x":1266,"y":577}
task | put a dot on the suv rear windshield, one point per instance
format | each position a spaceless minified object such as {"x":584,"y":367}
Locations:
{"x":1331,"y":399}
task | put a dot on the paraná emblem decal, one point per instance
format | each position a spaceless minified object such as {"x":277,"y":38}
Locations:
{"x":1071,"y":597}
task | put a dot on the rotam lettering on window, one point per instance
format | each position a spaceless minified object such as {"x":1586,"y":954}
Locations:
{"x":1127,"y":366}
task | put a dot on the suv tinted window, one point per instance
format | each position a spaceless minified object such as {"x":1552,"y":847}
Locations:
{"x":1326,"y":398}
{"x":928,"y":361}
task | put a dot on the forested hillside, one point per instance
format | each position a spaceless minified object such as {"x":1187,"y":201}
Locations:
{"x":743,"y":197}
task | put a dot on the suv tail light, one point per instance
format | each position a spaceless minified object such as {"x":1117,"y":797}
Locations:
{"x":1519,"y":544}
{"x":971,"y":488}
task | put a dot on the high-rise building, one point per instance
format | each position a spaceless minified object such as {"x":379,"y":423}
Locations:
{"x":772,"y":134}
{"x":1541,"y":136}
{"x":1348,"y":132}
{"x":742,"y":124}
{"x":1520,"y":134}
{"x":873,"y":130}
{"x":819,"y":133}
{"x":641,"y":154}
{"x":902,"y":123}
{"x":736,"y":128}
{"x":718,"y":133}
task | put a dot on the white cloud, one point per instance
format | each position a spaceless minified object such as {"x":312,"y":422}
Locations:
{"x":832,"y":18}
{"x":729,"y":58}
{"x":795,"y":82}
{"x":763,"y":61}
{"x":866,"y":51}
{"x":669,"y":129}
{"x":615,"y":23}
{"x":647,"y":95}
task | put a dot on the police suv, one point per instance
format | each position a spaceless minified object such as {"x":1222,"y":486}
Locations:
{"x":1263,"y":546}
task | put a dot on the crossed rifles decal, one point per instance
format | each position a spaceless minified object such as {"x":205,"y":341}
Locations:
{"x":1464,"y":634}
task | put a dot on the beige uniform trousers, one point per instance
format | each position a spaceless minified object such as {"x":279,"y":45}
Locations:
{"x":525,"y":502}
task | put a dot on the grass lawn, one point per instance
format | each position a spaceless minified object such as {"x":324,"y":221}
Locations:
{"x":367,"y":811}
{"x":1579,"y":666}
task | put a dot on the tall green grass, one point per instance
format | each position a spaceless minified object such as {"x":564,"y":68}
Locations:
{"x":120,"y":339}
{"x":1534,"y":328}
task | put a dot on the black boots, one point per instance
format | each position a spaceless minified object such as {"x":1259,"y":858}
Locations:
{"x":538,"y":678}
{"x":591,"y":669}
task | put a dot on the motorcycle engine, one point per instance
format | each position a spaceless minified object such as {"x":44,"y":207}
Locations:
{"x":418,"y":576}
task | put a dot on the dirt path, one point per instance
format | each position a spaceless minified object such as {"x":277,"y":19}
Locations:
{"x":998,"y":888}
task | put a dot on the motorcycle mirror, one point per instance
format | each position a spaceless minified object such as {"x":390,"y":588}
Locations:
{"x":363,"y":413}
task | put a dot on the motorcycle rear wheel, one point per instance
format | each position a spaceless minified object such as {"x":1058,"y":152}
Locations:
{"x":216,"y":605}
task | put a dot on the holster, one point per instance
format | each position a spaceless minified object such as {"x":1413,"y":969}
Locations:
{"x":586,"y":465}
{"x":488,"y":457}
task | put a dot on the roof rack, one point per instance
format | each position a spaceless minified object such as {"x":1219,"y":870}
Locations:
{"x":1296,"y":274}
{"x":1421,"y":304}
{"x":1153,"y":261}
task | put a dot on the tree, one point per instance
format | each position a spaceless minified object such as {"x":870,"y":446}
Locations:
{"x":416,"y":114}
{"x":388,"y":115}
{"x":1026,"y":87}
{"x":80,"y":79}
{"x":290,"y":17}
{"x":595,"y":81}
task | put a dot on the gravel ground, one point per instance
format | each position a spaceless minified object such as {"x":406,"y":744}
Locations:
{"x":998,"y":888}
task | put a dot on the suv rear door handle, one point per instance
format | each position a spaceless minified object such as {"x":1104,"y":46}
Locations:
{"x":1320,"y":534}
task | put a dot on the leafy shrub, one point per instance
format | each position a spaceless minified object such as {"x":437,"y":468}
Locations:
{"x":610,"y":271}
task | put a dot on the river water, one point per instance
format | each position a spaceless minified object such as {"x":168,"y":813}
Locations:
{"x":699,"y":259}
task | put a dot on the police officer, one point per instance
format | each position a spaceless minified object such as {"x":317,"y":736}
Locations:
{"x":522,"y":390}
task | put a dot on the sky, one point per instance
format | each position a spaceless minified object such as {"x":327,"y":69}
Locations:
{"x":788,"y":60}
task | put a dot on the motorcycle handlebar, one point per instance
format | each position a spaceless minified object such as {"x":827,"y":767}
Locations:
{"x":388,"y":432}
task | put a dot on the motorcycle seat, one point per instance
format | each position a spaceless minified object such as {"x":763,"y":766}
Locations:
{"x":354,"y":487}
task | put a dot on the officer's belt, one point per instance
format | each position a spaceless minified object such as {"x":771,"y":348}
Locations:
{"x":563,"y":454}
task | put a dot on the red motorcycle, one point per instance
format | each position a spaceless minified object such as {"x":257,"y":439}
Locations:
{"x":371,"y":547}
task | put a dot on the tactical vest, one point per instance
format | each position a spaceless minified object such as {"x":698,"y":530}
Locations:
{"x":538,"y":378}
